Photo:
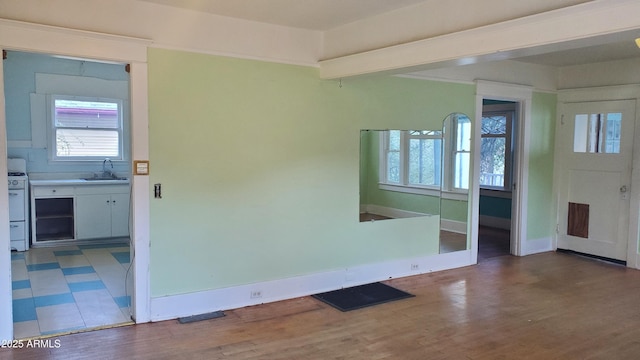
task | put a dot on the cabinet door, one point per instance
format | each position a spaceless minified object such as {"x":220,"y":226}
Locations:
{"x":119,"y":215}
{"x":93,"y":216}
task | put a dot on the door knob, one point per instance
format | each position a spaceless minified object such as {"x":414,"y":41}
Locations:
{"x":623,"y":188}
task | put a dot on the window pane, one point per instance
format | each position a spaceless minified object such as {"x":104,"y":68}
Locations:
{"x":393,"y":156}
{"x":425,"y":133}
{"x":492,"y":161}
{"x":580,"y":133}
{"x":393,"y":167}
{"x":494,"y":125}
{"x":394,"y":140}
{"x":425,"y":161}
{"x":612,"y":140}
{"x":463,"y":134}
{"x":86,"y":114}
{"x":461,"y":171}
{"x":81,"y":142}
{"x":597,"y":133}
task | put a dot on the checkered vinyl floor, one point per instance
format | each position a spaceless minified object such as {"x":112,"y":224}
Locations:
{"x":63,"y":289}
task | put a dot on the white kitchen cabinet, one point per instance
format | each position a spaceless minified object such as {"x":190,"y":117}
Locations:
{"x":102,"y":212}
{"x":120,"y":215}
{"x":69,"y":210}
{"x":52,"y":214}
{"x":93,"y":219}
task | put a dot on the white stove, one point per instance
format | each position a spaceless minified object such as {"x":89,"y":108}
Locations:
{"x":18,"y":204}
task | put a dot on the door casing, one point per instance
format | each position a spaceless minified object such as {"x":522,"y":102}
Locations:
{"x":522,"y":95}
{"x":15,"y":35}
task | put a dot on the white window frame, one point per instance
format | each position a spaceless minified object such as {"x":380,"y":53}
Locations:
{"x":52,"y":144}
{"x":403,"y":185}
{"x":449,"y":190}
{"x":509,"y":112}
{"x":445,"y":189}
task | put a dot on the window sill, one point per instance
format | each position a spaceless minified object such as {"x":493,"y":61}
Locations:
{"x":444,"y":194}
{"x":410,"y":189}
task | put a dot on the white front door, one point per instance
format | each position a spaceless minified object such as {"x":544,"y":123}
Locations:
{"x":595,"y":141}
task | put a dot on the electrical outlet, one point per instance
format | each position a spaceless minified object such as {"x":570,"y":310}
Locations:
{"x":414,"y":267}
{"x":255,"y":294}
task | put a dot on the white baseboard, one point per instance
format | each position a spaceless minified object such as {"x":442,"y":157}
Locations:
{"x":535,"y":246}
{"x":495,"y":222}
{"x":445,"y":224}
{"x":453,"y":226}
{"x":175,"y":306}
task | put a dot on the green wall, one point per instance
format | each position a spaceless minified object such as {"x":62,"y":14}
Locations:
{"x":259,"y":169}
{"x":540,"y":208}
{"x":455,"y":210}
{"x":259,"y":166}
{"x":495,"y":207}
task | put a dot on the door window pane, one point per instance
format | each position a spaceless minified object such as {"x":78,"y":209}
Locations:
{"x":493,"y":150}
{"x":494,"y":124}
{"x":597,"y":133}
{"x":492,"y":161}
{"x":612,"y":140}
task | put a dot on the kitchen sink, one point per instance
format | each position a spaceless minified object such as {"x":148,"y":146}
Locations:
{"x":105,"y":178}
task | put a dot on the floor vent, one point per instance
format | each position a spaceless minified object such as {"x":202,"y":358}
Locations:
{"x":201,"y":317}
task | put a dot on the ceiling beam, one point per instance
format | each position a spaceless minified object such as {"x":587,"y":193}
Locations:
{"x":589,"y":23}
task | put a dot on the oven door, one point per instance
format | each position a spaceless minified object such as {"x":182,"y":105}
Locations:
{"x":16,"y":205}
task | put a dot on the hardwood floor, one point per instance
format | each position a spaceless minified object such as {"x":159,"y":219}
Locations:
{"x":372,"y":217}
{"x":493,"y":242}
{"x":545,"y":306}
{"x":450,"y":241}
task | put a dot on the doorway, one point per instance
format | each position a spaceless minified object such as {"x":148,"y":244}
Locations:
{"x":497,"y":145}
{"x":64,"y":281}
{"x":81,"y":44}
{"x":520,"y":99}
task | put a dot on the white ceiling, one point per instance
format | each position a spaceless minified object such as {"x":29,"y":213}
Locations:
{"x":318,"y":15}
{"x":624,"y":49}
{"x":322,"y":15}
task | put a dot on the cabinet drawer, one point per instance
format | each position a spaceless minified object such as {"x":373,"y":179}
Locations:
{"x":53,"y":191}
{"x":101,"y":189}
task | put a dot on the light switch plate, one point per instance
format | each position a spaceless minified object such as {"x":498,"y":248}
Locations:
{"x":141,"y":167}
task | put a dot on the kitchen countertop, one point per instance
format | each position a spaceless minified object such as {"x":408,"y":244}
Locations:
{"x":69,"y":182}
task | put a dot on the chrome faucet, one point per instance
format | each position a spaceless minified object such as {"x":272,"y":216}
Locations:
{"x":105,"y":172}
